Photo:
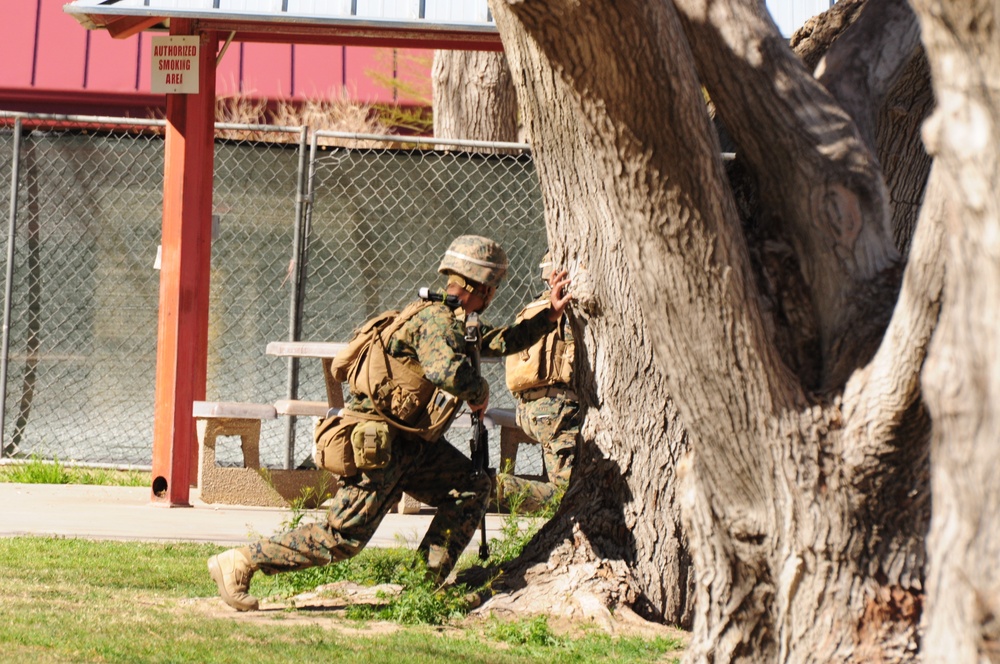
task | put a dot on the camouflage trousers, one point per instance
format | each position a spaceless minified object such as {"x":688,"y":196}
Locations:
{"x":553,"y":421}
{"x":434,"y":473}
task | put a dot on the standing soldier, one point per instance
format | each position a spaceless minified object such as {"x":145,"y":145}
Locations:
{"x":540,"y":378}
{"x":404,"y":389}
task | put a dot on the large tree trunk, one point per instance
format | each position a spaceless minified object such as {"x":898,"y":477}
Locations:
{"x":805,"y":494}
{"x":616,"y":541}
{"x":962,"y":380}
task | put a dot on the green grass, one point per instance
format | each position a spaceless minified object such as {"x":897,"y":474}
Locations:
{"x":70,"y":600}
{"x":40,"y":471}
{"x":80,"y":601}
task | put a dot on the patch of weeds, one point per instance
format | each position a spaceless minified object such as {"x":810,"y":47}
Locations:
{"x":109,"y":477}
{"x":532,"y":631}
{"x":37,"y":470}
{"x":420,"y":602}
{"x":308,"y":498}
{"x":518,"y":529}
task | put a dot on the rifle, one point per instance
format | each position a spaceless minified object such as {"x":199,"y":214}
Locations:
{"x":479,"y":443}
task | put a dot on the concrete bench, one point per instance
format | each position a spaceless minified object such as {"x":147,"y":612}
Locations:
{"x":251,"y":484}
{"x":254,"y":485}
{"x":511,"y":435}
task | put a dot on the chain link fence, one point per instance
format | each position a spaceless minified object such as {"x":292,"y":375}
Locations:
{"x":362,"y":227}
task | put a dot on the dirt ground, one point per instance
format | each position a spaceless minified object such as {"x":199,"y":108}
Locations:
{"x":325,"y":607}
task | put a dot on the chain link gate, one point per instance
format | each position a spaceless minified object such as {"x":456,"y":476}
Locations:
{"x":372,"y":224}
{"x":378,"y":223}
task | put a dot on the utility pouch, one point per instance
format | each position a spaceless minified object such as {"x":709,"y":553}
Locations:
{"x":441,"y":410}
{"x":549,"y":361}
{"x":371,"y":442}
{"x":332,"y":449}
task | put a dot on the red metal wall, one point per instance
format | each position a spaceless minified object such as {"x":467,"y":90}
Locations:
{"x":52,"y":64}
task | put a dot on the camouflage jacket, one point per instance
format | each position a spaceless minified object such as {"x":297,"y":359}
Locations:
{"x":435,"y":337}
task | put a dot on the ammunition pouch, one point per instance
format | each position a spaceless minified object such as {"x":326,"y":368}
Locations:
{"x":438,"y":415}
{"x":371,"y":441}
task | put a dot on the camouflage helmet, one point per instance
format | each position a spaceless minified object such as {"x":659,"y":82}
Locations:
{"x":476,"y":258}
{"x":546,"y":266}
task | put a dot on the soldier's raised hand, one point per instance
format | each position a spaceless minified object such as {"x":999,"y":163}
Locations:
{"x":559,"y":296}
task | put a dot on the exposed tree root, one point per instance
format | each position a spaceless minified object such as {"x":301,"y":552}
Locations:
{"x":572,"y":585}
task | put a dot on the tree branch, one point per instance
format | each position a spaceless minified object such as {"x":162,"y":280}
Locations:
{"x":817,"y":178}
{"x":877,"y":399}
{"x":866,"y":60}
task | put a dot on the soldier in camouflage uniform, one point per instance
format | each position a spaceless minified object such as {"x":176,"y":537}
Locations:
{"x":547,"y":409}
{"x":433,"y":472}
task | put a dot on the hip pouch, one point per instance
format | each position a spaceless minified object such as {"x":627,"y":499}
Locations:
{"x":332,"y":449}
{"x":371,"y":442}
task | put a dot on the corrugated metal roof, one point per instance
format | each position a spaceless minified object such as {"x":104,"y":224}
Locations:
{"x":419,"y":23}
{"x":459,"y":24}
{"x":472,"y":15}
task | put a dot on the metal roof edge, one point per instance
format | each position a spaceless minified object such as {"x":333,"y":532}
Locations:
{"x":83,"y":14}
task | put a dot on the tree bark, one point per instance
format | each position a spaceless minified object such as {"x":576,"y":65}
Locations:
{"x":961,"y":380}
{"x":805,"y":506}
{"x":474,"y":97}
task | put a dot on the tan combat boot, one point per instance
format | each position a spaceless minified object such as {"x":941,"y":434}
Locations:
{"x":232,"y":570}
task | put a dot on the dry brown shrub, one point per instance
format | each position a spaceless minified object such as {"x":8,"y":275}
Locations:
{"x":336,"y":113}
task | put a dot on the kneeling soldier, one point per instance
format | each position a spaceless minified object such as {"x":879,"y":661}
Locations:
{"x":403,"y":393}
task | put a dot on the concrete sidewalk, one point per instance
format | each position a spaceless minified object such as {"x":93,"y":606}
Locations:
{"x":125,"y":513}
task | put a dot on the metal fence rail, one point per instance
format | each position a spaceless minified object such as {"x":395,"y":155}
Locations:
{"x":309,"y":240}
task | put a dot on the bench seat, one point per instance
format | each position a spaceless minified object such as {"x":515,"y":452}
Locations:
{"x":301,"y":408}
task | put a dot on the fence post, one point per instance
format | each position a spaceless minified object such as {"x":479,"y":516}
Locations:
{"x":15,"y":176}
{"x":295,"y":301}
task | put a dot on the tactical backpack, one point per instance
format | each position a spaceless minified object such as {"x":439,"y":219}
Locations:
{"x":399,"y":392}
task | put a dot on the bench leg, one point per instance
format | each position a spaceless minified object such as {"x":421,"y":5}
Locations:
{"x":209,"y":429}
{"x":408,"y":505}
{"x":510,"y":440}
{"x":251,"y":484}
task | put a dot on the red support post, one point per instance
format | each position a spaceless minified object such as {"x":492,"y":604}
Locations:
{"x":185,"y":263}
